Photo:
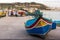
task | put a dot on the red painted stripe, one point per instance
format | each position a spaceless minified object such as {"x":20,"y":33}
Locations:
{"x":33,"y":23}
{"x":37,"y":22}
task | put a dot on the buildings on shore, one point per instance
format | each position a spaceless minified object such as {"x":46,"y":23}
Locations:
{"x":19,"y":5}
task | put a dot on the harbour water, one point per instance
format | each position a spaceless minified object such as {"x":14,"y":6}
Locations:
{"x":54,"y":15}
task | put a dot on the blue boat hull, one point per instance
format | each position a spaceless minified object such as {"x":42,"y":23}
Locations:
{"x":40,"y":30}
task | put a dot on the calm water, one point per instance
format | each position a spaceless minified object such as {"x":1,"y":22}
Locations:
{"x":54,"y":15}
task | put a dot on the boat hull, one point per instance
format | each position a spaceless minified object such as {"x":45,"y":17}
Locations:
{"x":42,"y":30}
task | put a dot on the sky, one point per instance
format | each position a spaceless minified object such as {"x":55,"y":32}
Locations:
{"x":50,"y":3}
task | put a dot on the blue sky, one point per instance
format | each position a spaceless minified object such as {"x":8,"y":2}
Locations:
{"x":51,"y":3}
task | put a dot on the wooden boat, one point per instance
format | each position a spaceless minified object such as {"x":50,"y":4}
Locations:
{"x":10,"y":13}
{"x":2,"y":13}
{"x":39,"y":25}
{"x":21,"y":13}
{"x":16,"y":13}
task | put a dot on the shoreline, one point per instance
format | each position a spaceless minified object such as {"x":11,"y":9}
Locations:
{"x":51,"y":10}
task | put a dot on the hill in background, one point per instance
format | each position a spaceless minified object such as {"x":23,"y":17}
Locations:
{"x":19,"y":5}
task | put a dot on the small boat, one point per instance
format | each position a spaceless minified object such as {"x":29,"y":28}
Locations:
{"x":2,"y":13}
{"x":39,"y":25}
{"x":16,"y":13}
{"x":21,"y":13}
{"x":12,"y":13}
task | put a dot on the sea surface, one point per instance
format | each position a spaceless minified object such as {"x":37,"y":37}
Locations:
{"x":54,"y":15}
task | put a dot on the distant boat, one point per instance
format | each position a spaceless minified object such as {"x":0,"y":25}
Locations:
{"x":16,"y":13}
{"x":2,"y":13}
